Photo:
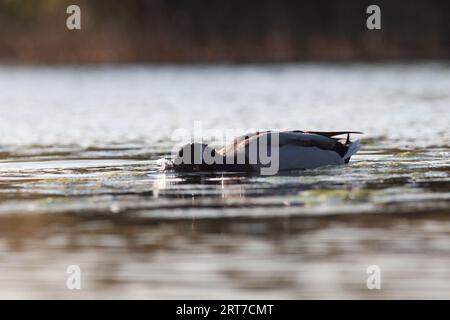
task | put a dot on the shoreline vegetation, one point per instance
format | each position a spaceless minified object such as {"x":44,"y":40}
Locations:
{"x":34,"y":32}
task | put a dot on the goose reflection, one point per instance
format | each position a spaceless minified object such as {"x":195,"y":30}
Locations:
{"x":207,"y":185}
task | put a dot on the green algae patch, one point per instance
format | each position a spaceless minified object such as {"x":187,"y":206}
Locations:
{"x":321,"y":195}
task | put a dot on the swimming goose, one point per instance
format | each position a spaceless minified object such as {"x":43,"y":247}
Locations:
{"x":283,"y":150}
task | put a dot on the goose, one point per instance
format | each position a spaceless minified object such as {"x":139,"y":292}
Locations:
{"x":284,"y":150}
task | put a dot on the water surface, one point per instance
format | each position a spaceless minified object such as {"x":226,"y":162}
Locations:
{"x":79,"y":183}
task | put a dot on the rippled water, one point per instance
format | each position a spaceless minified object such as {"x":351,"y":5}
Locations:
{"x":79,"y":183}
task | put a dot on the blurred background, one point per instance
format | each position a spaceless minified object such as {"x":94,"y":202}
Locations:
{"x":85,"y":115}
{"x":33,"y":31}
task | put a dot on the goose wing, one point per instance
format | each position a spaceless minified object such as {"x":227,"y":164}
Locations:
{"x":331,"y":134}
{"x":240,"y":142}
{"x":299,"y":138}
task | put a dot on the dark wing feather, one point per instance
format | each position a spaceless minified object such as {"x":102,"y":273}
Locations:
{"x":330,"y":134}
{"x":296,"y":137}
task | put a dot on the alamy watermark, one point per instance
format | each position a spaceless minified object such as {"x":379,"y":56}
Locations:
{"x":73,"y":21}
{"x":374,"y":20}
{"x":73,"y":281}
{"x":374,"y":278}
{"x":260,"y":149}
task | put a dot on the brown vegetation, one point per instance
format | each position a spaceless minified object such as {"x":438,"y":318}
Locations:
{"x":34,"y":31}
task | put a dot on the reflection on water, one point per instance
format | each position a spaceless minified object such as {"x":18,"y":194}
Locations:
{"x":223,"y":258}
{"x":79,"y":184}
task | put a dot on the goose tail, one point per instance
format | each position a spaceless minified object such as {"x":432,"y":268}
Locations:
{"x":352,"y":149}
